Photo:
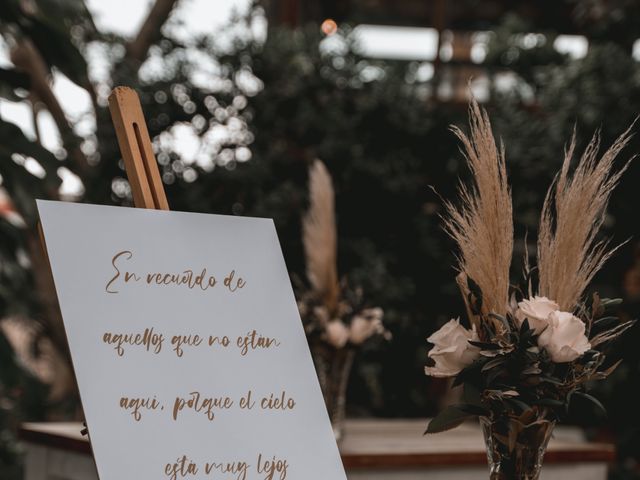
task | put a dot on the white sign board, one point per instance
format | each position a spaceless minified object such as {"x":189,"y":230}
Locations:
{"x":187,"y":345}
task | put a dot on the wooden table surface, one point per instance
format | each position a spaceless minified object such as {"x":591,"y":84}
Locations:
{"x":380,"y":443}
{"x":394,"y":443}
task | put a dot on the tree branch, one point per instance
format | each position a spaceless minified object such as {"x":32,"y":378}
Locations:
{"x":138,"y":48}
{"x":27,"y":58}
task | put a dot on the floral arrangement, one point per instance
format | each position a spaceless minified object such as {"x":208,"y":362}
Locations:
{"x":336,"y":318}
{"x":331,"y":311}
{"x":529,"y":350}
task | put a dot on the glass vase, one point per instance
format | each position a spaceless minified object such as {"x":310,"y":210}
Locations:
{"x":515,"y":451}
{"x":334,"y":367}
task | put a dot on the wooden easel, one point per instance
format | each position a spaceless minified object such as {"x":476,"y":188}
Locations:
{"x":137,"y":152}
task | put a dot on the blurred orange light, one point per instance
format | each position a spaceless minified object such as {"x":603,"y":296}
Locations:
{"x":329,"y":26}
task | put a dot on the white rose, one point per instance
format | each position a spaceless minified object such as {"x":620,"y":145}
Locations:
{"x":564,"y":338}
{"x":452,"y":351}
{"x":537,"y":311}
{"x":337,"y":334}
{"x":365,"y":325}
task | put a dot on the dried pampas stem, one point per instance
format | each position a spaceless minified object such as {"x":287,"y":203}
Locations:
{"x":574,"y":209}
{"x":482,"y":225}
{"x":320,"y":238}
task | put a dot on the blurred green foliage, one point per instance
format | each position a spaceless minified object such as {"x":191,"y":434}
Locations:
{"x":22,"y":398}
{"x":272,"y":106}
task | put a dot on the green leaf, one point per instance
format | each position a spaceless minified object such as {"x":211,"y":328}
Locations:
{"x":494,"y":374}
{"x":473,"y":410}
{"x":612,"y":334}
{"x":502,"y":319}
{"x":532,"y":370}
{"x":591,"y":399}
{"x":447,"y":419}
{"x":604,"y":322}
{"x":608,"y":371}
{"x":610,"y":302}
{"x":22,"y":185}
{"x":50,"y":31}
{"x":550,"y":402}
{"x":496,"y":362}
{"x":10,"y":80}
{"x":485,"y":345}
{"x":58,"y":49}
{"x":472,"y":395}
{"x":459,"y":379}
{"x":551,"y":380}
{"x":63,"y":14}
{"x":519,"y":403}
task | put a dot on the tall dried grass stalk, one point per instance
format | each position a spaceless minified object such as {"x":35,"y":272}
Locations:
{"x":319,"y":236}
{"x":482,"y":225}
{"x":569,"y":255}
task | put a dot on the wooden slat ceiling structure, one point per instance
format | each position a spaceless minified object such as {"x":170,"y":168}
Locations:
{"x":463,"y":15}
{"x":458,"y":20}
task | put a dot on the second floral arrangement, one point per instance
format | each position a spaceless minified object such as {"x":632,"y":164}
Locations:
{"x":336,"y":318}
